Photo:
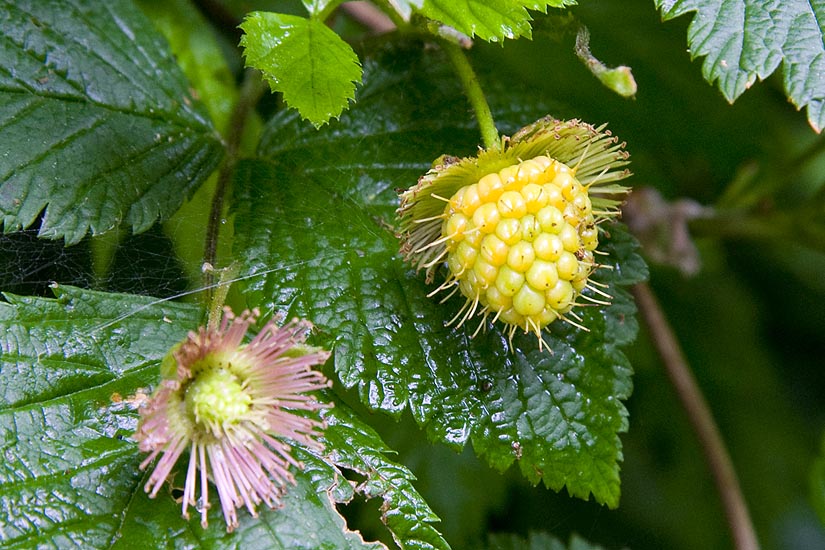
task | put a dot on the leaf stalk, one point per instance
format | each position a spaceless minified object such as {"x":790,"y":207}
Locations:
{"x":472,"y":88}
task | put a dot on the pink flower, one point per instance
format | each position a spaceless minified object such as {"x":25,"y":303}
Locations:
{"x":231,"y":406}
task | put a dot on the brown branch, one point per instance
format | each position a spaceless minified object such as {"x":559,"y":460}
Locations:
{"x":700,"y":417}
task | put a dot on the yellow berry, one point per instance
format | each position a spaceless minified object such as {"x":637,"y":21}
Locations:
{"x":509,"y":230}
{"x":583,"y":204}
{"x":509,"y":177}
{"x":534,"y":197}
{"x":567,"y":266}
{"x":511,"y":205}
{"x":512,"y":317}
{"x":520,"y":242}
{"x":466,"y":254}
{"x":456,"y":200}
{"x":455,"y":226}
{"x":486,"y":218}
{"x":470,"y":201}
{"x":569,"y":185}
{"x":490,"y":187}
{"x":521,"y":256}
{"x":548,"y":246}
{"x":545,"y":162}
{"x":473,"y":237}
{"x":496,"y":300}
{"x":494,"y":250}
{"x":547,"y":316}
{"x":530,"y":171}
{"x":560,"y":297}
{"x":542,"y":275}
{"x":554,"y":196}
{"x":485,"y":272}
{"x":530,"y":228}
{"x":468,"y":284}
{"x":528,"y":301}
{"x":550,"y":219}
{"x":570,"y":238}
{"x":590,"y":237}
{"x":572,"y":215}
{"x":508,"y":281}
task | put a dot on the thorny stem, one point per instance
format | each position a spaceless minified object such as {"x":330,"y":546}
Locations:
{"x":251,"y":91}
{"x":469,"y":80}
{"x":700,"y":417}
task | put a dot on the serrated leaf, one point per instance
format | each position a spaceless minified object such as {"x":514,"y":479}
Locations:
{"x":491,"y":20}
{"x":353,"y":445}
{"x":68,"y":466}
{"x":319,"y":7}
{"x":198,"y":54}
{"x":314,"y":232}
{"x":746,"y":40}
{"x":303,"y":59}
{"x":70,"y":471}
{"x":99,"y":127}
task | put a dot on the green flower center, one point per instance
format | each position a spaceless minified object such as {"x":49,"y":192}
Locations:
{"x":216,"y":396}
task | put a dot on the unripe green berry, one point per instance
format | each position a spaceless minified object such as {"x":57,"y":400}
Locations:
{"x":523,"y":237}
{"x":542,"y":275}
{"x":494,"y":250}
{"x":511,"y":205}
{"x":509,"y":281}
{"x":518,"y":236}
{"x":550,"y":219}
{"x":548,"y":247}
{"x":528,"y":301}
{"x":521,"y":256}
{"x":509,"y":231}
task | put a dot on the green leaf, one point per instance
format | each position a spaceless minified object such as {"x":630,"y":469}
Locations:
{"x":303,"y":59}
{"x":320,"y":8}
{"x":351,"y":445}
{"x":69,"y":469}
{"x":491,"y":20}
{"x":98,"y":124}
{"x":199,"y":55}
{"x":314,"y":233}
{"x":69,"y":365}
{"x":746,"y":40}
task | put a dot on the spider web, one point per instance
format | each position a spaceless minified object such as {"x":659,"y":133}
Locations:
{"x":142,"y":264}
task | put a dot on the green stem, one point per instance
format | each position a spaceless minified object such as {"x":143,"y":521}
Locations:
{"x":469,"y":80}
{"x":251,"y":91}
